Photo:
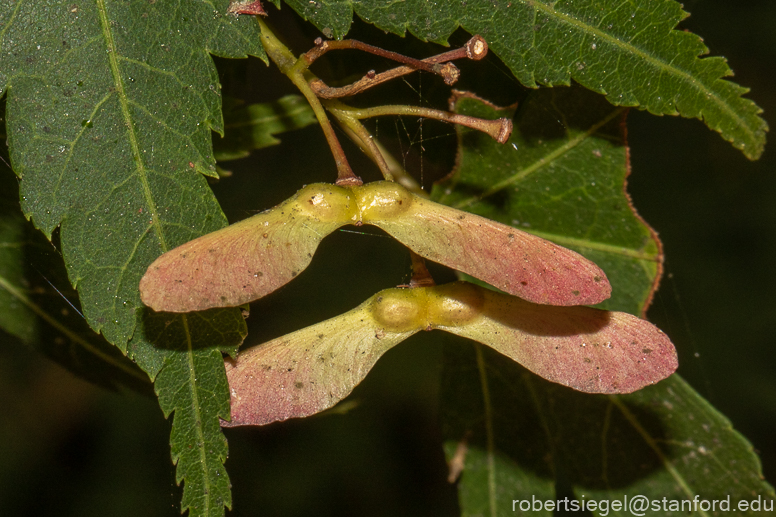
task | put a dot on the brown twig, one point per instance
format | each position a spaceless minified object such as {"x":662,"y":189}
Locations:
{"x":420,"y":275}
{"x":321,"y":47}
{"x":476,"y":48}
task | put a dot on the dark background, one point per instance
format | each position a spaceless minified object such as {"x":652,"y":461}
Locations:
{"x":69,"y":448}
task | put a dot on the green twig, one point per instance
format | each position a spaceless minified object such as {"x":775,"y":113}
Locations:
{"x":296,"y":71}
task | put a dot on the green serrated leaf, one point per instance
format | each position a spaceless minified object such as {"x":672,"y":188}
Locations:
{"x":528,"y":439}
{"x":254,"y":126}
{"x":38,"y":307}
{"x":104,"y":120}
{"x":332,"y":17}
{"x":560,"y":176}
{"x":110,"y":112}
{"x":631,"y":52}
{"x":191,"y":382}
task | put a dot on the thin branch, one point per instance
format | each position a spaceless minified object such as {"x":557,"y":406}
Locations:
{"x":498,"y":129}
{"x":321,"y":47}
{"x":296,"y":71}
{"x":476,"y":48}
{"x":420,"y":275}
{"x":363,"y":138}
{"x":390,"y":168}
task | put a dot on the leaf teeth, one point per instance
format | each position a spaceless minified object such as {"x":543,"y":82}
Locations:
{"x":658,"y":67}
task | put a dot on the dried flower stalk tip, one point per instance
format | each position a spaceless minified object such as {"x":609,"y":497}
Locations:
{"x":498,"y":129}
{"x":476,"y":48}
{"x":450,"y":73}
{"x":505,"y":132}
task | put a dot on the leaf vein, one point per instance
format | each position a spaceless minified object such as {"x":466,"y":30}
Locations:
{"x":124,"y":106}
{"x":670,"y":467}
{"x":539,"y":164}
{"x":656,"y":62}
{"x":196,"y":409}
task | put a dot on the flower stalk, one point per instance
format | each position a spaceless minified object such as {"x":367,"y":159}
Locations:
{"x":323,"y":98}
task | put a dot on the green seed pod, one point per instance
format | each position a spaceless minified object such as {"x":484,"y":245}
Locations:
{"x":382,"y":200}
{"x":327,"y":203}
{"x":252,"y":258}
{"x":249,"y":259}
{"x":314,"y":368}
{"x":454,"y":305}
{"x":400,"y":310}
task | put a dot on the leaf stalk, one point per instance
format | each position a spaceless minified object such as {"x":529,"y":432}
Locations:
{"x":296,"y":71}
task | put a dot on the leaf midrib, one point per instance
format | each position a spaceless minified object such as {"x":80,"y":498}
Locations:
{"x":489,"y":432}
{"x":684,"y":76}
{"x":142,"y":174}
{"x":196,"y":408}
{"x":667,"y":463}
{"x":121,"y":93}
{"x":564,"y":240}
{"x":529,"y":169}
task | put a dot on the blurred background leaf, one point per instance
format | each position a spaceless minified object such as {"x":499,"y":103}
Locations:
{"x":561,"y":176}
{"x":38,"y":307}
{"x":248,"y":127}
{"x":534,"y":439}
